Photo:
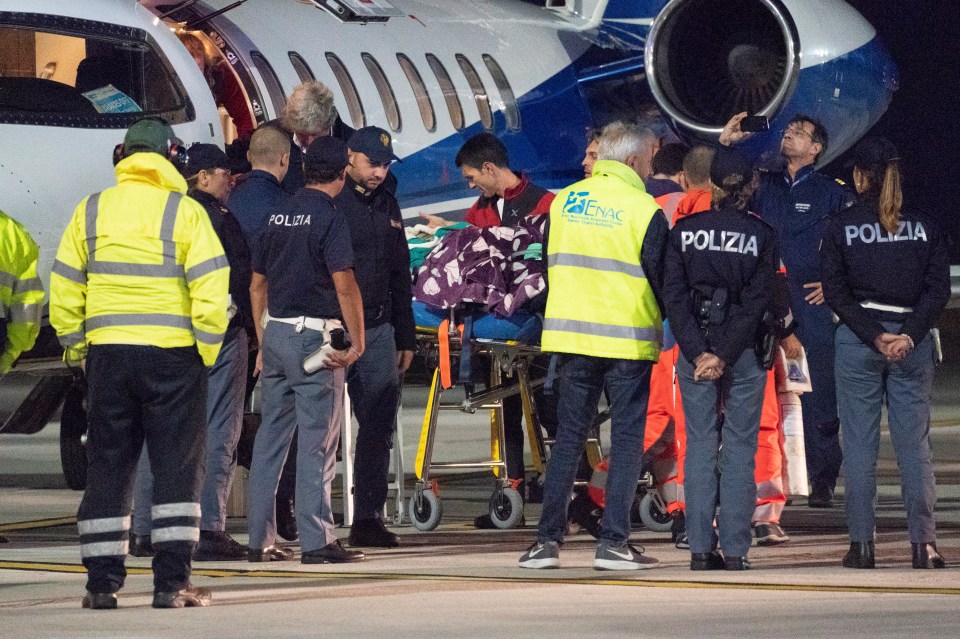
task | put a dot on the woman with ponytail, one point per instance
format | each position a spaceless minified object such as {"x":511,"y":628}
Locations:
{"x":886,"y":275}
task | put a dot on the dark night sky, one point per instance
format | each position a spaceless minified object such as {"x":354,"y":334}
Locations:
{"x":923,"y":37}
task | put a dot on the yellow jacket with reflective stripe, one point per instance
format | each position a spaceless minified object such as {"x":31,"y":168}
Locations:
{"x":21,"y":292}
{"x":140,"y":263}
{"x":599,"y":302}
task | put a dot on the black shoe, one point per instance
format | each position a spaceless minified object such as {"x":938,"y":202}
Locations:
{"x":217,"y":545}
{"x":736,"y":563}
{"x":860,"y":555}
{"x":271,"y":553}
{"x":189,"y":597}
{"x":140,"y":546}
{"x":4,"y":540}
{"x":287,"y":519}
{"x":100,"y":600}
{"x":821,"y":496}
{"x":678,"y":528}
{"x":332,"y":553}
{"x":706,"y":560}
{"x":373,"y":534}
{"x":927,"y":556}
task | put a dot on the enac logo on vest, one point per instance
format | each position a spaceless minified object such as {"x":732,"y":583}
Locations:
{"x":580,"y":209}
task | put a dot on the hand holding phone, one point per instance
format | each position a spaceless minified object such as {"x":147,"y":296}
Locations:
{"x":755,"y":124}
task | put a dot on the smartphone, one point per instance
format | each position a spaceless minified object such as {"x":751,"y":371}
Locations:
{"x":754,"y":124}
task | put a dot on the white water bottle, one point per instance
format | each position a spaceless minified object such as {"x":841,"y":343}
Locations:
{"x":318,"y":358}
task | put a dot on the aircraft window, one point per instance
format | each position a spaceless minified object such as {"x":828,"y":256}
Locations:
{"x":479,"y":92}
{"x":301,"y":67}
{"x":349,"y":89}
{"x":449,"y":91}
{"x":510,"y":110}
{"x":67,"y":72}
{"x":274,"y":88}
{"x":420,"y":91}
{"x":385,"y":90}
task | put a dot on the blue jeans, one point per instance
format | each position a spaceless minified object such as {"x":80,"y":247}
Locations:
{"x":582,"y":379}
{"x":721,"y":474}
{"x":374,"y":386}
{"x":864,"y":379}
{"x":226,"y":381}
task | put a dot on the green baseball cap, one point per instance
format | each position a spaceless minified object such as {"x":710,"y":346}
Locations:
{"x":150,"y":135}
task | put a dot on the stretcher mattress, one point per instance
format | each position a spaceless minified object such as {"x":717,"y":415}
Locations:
{"x":520,"y":327}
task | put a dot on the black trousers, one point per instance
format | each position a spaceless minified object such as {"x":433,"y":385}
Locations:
{"x":139,"y":393}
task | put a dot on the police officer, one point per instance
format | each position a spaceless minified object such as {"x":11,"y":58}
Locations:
{"x":383,"y":275}
{"x":210,"y":182}
{"x":886,"y":274}
{"x":305,"y":258}
{"x":718,"y":283}
{"x":139,"y":288}
{"x":604,"y":254}
{"x":797,"y":202}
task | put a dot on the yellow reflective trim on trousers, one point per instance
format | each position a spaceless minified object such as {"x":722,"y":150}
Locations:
{"x":105,"y":549}
{"x":175,"y":533}
{"x":596,"y":264}
{"x":177,"y":509}
{"x":102,"y":525}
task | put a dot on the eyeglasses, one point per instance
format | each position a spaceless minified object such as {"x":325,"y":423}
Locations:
{"x":796,"y":130}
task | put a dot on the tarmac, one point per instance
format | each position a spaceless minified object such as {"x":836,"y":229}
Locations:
{"x":457,"y":581}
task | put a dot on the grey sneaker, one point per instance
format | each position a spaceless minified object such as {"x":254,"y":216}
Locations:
{"x":542,"y":554}
{"x":682,"y":542}
{"x":770,"y":534}
{"x":624,"y":557}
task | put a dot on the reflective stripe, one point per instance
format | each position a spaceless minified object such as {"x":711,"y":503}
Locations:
{"x":105,"y":549}
{"x":73,"y":339}
{"x":170,"y":218}
{"x":888,"y":308}
{"x":175,"y":533}
{"x":208,"y":338}
{"x":141,"y":270}
{"x":206,"y":267}
{"x":28,"y":285}
{"x":68,"y":272}
{"x":603,"y":330}
{"x":7,"y":279}
{"x":138,"y":319}
{"x":93,"y":205}
{"x":179,"y":509}
{"x":596,"y":264}
{"x":106,"y":524}
{"x":25,"y":313}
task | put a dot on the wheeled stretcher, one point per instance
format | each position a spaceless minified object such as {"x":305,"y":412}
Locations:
{"x":510,"y":346}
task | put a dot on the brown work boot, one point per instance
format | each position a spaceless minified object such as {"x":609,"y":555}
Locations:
{"x":189,"y":597}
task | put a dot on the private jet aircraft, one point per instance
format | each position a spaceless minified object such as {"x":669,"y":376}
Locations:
{"x":537,"y":73}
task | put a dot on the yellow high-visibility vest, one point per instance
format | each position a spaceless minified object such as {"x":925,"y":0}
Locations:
{"x":21,"y":292}
{"x":140,"y":263}
{"x":600,"y":302}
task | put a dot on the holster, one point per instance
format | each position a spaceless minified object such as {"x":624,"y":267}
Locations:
{"x":766,"y":347}
{"x":711,"y":309}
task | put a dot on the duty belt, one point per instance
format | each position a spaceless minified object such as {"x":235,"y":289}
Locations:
{"x":313,"y":323}
{"x":887,"y":308}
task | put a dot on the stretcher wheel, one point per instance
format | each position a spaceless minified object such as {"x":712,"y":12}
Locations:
{"x":506,"y":508}
{"x":425,"y":510}
{"x":653,"y":513}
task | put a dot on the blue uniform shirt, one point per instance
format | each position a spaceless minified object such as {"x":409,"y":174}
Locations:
{"x":799,"y":210}
{"x":303,"y":244}
{"x":256,"y":196}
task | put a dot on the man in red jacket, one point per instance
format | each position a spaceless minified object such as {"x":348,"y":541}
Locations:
{"x":506,"y":198}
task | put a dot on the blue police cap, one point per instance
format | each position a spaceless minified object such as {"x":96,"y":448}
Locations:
{"x":326,"y":153}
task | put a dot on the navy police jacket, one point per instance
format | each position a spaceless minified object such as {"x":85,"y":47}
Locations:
{"x":382,"y":259}
{"x":719,"y":249}
{"x":798,"y":210}
{"x":863,"y":262}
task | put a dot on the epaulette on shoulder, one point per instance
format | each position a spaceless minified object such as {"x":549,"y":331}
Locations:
{"x":839,"y":181}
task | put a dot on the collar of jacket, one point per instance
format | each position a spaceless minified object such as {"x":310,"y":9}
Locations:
{"x":619,"y":170}
{"x":802,"y":173}
{"x":258,"y":174}
{"x":207,"y":200}
{"x":357,"y":188}
{"x":152,"y":169}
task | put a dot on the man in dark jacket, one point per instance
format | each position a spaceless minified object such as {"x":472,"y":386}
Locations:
{"x":383,"y":274}
{"x":210,"y":183}
{"x":259,"y":193}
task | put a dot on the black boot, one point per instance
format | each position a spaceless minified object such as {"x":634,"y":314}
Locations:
{"x":736,"y":563}
{"x":927,"y":556}
{"x":821,"y":496}
{"x":287,"y":519}
{"x":706,"y":560}
{"x":372,"y":533}
{"x":217,"y":545}
{"x":860,"y":555}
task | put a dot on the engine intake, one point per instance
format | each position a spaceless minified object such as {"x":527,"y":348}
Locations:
{"x":707,"y":61}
